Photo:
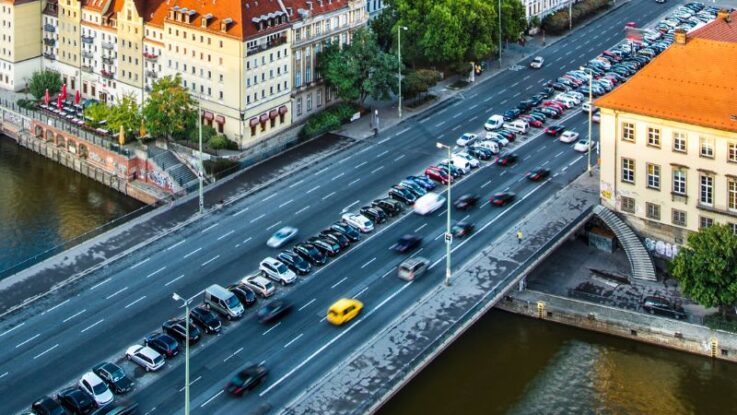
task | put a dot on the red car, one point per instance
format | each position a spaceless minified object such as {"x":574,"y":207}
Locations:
{"x":537,"y":174}
{"x":502,"y":199}
{"x":630,"y":24}
{"x":437,"y":175}
{"x":507,"y":159}
{"x":555,"y":130}
{"x":554,"y":104}
{"x":532,"y":121}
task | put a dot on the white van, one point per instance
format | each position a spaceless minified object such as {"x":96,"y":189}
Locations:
{"x":518,"y":126}
{"x":428,"y":203}
{"x":462,"y":164}
{"x":472,"y":160}
{"x":490,"y":145}
{"x":568,"y":102}
{"x":494,"y":122}
{"x":223,"y":301}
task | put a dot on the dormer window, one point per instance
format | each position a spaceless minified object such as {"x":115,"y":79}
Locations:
{"x":225,"y":23}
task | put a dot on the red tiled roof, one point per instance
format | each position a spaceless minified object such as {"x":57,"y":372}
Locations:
{"x":327,"y":6}
{"x":721,"y":29}
{"x":691,"y":83}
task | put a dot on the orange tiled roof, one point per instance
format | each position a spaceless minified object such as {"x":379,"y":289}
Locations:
{"x":94,"y":5}
{"x":691,"y":83}
{"x":318,"y":7}
{"x":720,"y":29}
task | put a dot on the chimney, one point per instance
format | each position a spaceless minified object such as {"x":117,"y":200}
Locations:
{"x":723,"y":14}
{"x":309,"y":5}
{"x":680,"y":36}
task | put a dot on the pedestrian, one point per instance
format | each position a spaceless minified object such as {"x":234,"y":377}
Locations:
{"x":519,"y":237}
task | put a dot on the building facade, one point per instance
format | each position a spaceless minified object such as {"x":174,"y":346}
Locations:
{"x":374,"y":7}
{"x":542,"y":8}
{"x":20,"y":42}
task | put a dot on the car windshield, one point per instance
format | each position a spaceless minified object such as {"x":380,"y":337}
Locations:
{"x":281,"y":268}
{"x":117,"y":374}
{"x":158,"y":359}
{"x":281,"y":234}
{"x":99,"y":388}
{"x":269,"y":285}
{"x":232,"y":302}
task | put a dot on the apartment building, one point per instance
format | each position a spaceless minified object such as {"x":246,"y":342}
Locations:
{"x":669,"y":139}
{"x":20,"y":42}
{"x":542,"y":8}
{"x":314,"y":25}
{"x":374,"y":7}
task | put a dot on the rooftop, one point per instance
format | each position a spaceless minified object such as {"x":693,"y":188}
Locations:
{"x":723,"y":29}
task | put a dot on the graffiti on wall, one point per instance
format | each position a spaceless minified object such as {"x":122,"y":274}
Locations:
{"x":661,"y":248}
{"x":160,"y":179}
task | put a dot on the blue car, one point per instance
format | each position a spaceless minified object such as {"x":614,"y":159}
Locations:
{"x":423,"y":181}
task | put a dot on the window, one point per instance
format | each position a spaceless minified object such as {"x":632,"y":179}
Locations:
{"x":653,"y":137}
{"x":732,"y":194}
{"x":628,"y":170}
{"x":733,"y":227}
{"x":309,"y":103}
{"x":679,"y":182}
{"x":628,"y":204}
{"x":679,"y":142}
{"x":705,"y":222}
{"x":319,"y":99}
{"x":653,"y":176}
{"x":678,"y":217}
{"x":628,"y":131}
{"x":732,"y":152}
{"x":706,"y":194}
{"x":707,"y":147}
{"x":652,"y":211}
{"x":299,"y":106}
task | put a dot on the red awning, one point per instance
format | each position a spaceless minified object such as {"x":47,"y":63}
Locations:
{"x":273,"y":114}
{"x":207,"y":115}
{"x":283,"y":109}
{"x":253,"y":121}
{"x":220,"y":119}
{"x":264,"y":117}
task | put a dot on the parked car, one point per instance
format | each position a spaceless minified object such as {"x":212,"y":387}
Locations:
{"x":245,"y":295}
{"x":502,"y":199}
{"x":114,"y":376}
{"x":433,"y":173}
{"x":336,"y":237}
{"x":661,"y":306}
{"x":359,"y":221}
{"x":273,"y":311}
{"x":260,"y":285}
{"x":376,"y":215}
{"x":76,"y":401}
{"x":390,"y":206}
{"x":246,"y":379}
{"x":206,"y":319}
{"x":407,"y":243}
{"x":423,"y":181}
{"x":275,"y":270}
{"x":325,"y":245}
{"x":146,"y":357}
{"x":295,"y":262}
{"x":310,"y":253}
{"x":47,"y":406}
{"x":511,"y":114}
{"x":401,"y":194}
{"x":95,"y":387}
{"x":351,"y":232}
{"x":466,"y":139}
{"x":162,"y":343}
{"x":176,"y":328}
{"x":282,"y":237}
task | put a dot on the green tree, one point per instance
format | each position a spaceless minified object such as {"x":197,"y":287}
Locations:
{"x":706,"y":269}
{"x":97,"y":113}
{"x":514,"y":22}
{"x":207,"y":133}
{"x":127,"y":113}
{"x":169,"y":111}
{"x":41,"y":81}
{"x":384,"y":26}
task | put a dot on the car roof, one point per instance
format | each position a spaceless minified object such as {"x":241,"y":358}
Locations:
{"x":259,"y":279}
{"x":149,"y":352}
{"x":91,"y":378}
{"x":271,"y":261}
{"x":344,"y":303}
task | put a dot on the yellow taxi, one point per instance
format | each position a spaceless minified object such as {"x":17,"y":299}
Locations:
{"x":344,"y":310}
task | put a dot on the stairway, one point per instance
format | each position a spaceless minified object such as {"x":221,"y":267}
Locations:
{"x":170,"y":164}
{"x":640,"y":261}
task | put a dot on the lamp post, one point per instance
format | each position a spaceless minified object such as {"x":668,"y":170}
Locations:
{"x":399,"y":66}
{"x":201,"y":172}
{"x":448,"y":235}
{"x":176,"y":297}
{"x":591,"y":111}
{"x":499,"y":12}
{"x":570,"y":15}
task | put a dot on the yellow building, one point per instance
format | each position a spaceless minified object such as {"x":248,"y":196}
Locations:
{"x":20,"y":42}
{"x":669,"y":139}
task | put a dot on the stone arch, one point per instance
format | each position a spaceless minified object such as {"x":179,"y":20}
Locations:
{"x":49,"y":135}
{"x":83,"y":151}
{"x":39,"y":131}
{"x":60,"y":141}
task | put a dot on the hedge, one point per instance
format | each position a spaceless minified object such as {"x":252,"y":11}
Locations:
{"x":557,"y":23}
{"x":220,"y":142}
{"x":327,"y":120}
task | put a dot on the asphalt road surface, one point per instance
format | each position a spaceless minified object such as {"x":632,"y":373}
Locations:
{"x":118,"y":305}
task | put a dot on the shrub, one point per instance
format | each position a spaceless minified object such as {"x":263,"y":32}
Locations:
{"x":558,"y":22}
{"x":26,"y":103}
{"x":327,"y":120}
{"x":221,"y":142}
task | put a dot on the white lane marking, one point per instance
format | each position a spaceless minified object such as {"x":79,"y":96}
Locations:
{"x":46,"y":351}
{"x":272,"y":195}
{"x":210,"y":227}
{"x":272,"y":328}
{"x":384,"y":140}
{"x":503,"y":102}
{"x":360,"y":292}
{"x":56,"y":306}
{"x":240,"y":211}
{"x":423,"y":225}
{"x":338,"y":176}
{"x":361,"y":164}
{"x":473,"y":106}
{"x":175,"y":245}
{"x":402,"y":132}
{"x":559,"y":58}
{"x":526,"y":77}
{"x":563,"y":169}
{"x":440,"y":123}
{"x":132,"y":303}
{"x":399,"y":158}
{"x":296,"y":184}
{"x":486,"y":184}
{"x":313,"y":189}
{"x":559,"y":154}
{"x":514,"y":85}
{"x":377,"y":169}
{"x":116,"y":293}
{"x":501,"y":91}
{"x":529,"y":87}
{"x":361,"y":151}
{"x":369,"y":262}
{"x":333,"y":340}
{"x":155,"y":272}
{"x":210,"y":400}
{"x":307,"y":305}
{"x":3,"y":375}
{"x":191,"y":383}
{"x":387,"y":273}
{"x":443,"y":212}
{"x":286,"y":203}
{"x":344,"y":159}
{"x":174,"y":280}
{"x":274,"y":225}
{"x":526,"y":158}
{"x":227,"y":234}
{"x":321,"y":171}
{"x":417,"y":252}
{"x":140,"y":263}
{"x":354,"y":181}
{"x":100,"y":283}
{"x":475,"y":117}
{"x":455,"y":128}
{"x":546,"y":163}
{"x":193,"y":252}
{"x":516,"y":95}
{"x":591,"y":49}
{"x":257,"y":218}
{"x":439,"y":236}
{"x":233,"y":354}
{"x":293,"y":340}
{"x":247,"y":239}
{"x":488,"y":99}
{"x":382,"y":154}
{"x":441,"y":111}
{"x":339,"y":282}
{"x":193,"y":297}
{"x":503,"y":173}
{"x":210,"y":260}
{"x":77,"y":314}
{"x":540,"y":149}
{"x":520,"y":179}
{"x":92,"y":325}
{"x":574,"y":161}
{"x":347,"y":208}
{"x":34,"y":337}
{"x":329,"y":195}
{"x":302,"y":210}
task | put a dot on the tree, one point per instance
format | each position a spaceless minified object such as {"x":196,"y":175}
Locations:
{"x":514,"y":22}
{"x":169,"y":111}
{"x":125,"y":113}
{"x":384,"y":26}
{"x":97,"y":113}
{"x":706,"y":270}
{"x":43,"y":80}
{"x":207,"y":133}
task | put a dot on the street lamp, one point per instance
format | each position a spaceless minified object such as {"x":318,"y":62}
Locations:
{"x":176,"y":297}
{"x":499,"y":12}
{"x":448,"y":235}
{"x":201,"y":172}
{"x":570,"y":15}
{"x":399,"y":67}
{"x":591,"y":112}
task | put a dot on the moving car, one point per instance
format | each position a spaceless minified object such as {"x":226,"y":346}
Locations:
{"x":661,"y":306}
{"x":537,"y":62}
{"x":582,"y":146}
{"x":145,"y":357}
{"x":568,"y":136}
{"x":537,"y":174}
{"x":96,"y":388}
{"x":461,"y":229}
{"x":206,"y":319}
{"x":295,"y":262}
{"x":429,"y":203}
{"x":502,"y":199}
{"x":282,"y":237}
{"x":310,"y":253}
{"x":407,"y":243}
{"x":114,"y":376}
{"x":466,"y":139}
{"x":260,"y":285}
{"x":466,"y":201}
{"x":273,"y":311}
{"x":177,"y":328}
{"x":555,"y":130}
{"x":76,"y":401}
{"x":507,"y":159}
{"x":412,"y":268}
{"x":343,"y":311}
{"x":246,"y":380}
{"x":162,"y":343}
{"x":359,"y":221}
{"x":275,"y":270}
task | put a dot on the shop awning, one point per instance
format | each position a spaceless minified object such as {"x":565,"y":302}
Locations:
{"x":208,"y":115}
{"x":220,"y":119}
{"x":253,"y":121}
{"x":283,"y":109}
{"x":273,"y":114}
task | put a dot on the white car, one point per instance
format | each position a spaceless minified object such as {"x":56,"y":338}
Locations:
{"x":582,"y":146}
{"x":145,"y":357}
{"x":282,"y":237}
{"x":579,"y":96}
{"x":466,"y":139}
{"x":277,"y":271}
{"x":261,"y":285}
{"x":489,"y":145}
{"x":537,"y":62}
{"x":502,"y":140}
{"x":96,"y":388}
{"x":359,"y":221}
{"x":429,"y":203}
{"x":587,"y":107}
{"x":568,"y":136}
{"x":474,"y":162}
{"x":494,"y":122}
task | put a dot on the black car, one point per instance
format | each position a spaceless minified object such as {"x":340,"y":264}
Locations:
{"x":391,"y":207}
{"x":506,"y":159}
{"x":663,"y":307}
{"x":539,"y":115}
{"x":509,"y":135}
{"x":402,"y":195}
{"x":336,"y":236}
{"x":466,"y":201}
{"x":118,"y":408}
{"x":114,"y":376}
{"x":162,"y":343}
{"x":246,"y":379}
{"x":537,"y":99}
{"x":461,"y":229}
{"x":537,"y":174}
{"x":325,"y":245}
{"x":375,"y":214}
{"x":295,"y":262}
{"x":47,"y":406}
{"x":176,"y":328}
{"x":310,"y":253}
{"x":511,"y":114}
{"x":454,"y":171}
{"x":206,"y":319}
{"x":76,"y":401}
{"x":560,"y":87}
{"x":525,"y":105}
{"x":245,"y":295}
{"x":555,"y":130}
{"x":349,"y":231}
{"x":550,"y":112}
{"x":502,"y":199}
{"x":479,"y":152}
{"x":407,"y":243}
{"x":548,"y":91}
{"x":273,"y":311}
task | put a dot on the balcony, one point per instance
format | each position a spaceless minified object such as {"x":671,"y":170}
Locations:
{"x":268,"y":45}
{"x":87,"y":68}
{"x":49,"y":28}
{"x":108,"y":61}
{"x":150,"y":56}
{"x":49,"y":41}
{"x":87,"y":54}
{"x":49,"y":56}
{"x":107,"y":45}
{"x":107,"y":74}
{"x":152,"y":74}
{"x":88,"y":39}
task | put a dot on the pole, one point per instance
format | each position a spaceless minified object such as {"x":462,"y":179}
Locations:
{"x":186,"y":357}
{"x":399,"y":67}
{"x":570,"y":15}
{"x":499,"y":12}
{"x":448,"y":241}
{"x":591,"y":111}
{"x":201,"y":172}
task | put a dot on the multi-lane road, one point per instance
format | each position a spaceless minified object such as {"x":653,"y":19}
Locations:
{"x":116,"y":306}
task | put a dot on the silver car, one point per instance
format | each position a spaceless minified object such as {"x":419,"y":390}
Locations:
{"x":145,"y":357}
{"x":282,"y":237}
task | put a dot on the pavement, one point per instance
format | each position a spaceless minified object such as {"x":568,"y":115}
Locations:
{"x":111,"y":306}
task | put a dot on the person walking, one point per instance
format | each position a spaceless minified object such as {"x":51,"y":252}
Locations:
{"x":519,"y":237}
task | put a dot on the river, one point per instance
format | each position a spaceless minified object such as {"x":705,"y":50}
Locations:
{"x":508,"y":364}
{"x":43,"y":204}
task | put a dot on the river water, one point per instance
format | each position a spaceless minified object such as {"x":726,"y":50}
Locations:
{"x":43,"y":204}
{"x":508,"y":364}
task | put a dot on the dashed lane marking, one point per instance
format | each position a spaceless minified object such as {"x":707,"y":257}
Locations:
{"x":174,"y":280}
{"x":210,"y":260}
{"x":132,"y":303}
{"x":193,"y":252}
{"x":155,"y":272}
{"x":92,"y":325}
{"x":140,"y":263}
{"x":339,"y":282}
{"x":293,"y":340}
{"x":46,"y":351}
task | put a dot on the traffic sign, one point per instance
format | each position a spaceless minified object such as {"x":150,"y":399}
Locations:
{"x":448,"y":238}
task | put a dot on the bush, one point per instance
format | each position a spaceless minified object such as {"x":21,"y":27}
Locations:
{"x":221,"y":142}
{"x":26,"y":103}
{"x":558,"y":22}
{"x":327,"y":120}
